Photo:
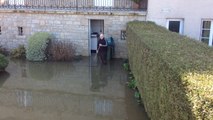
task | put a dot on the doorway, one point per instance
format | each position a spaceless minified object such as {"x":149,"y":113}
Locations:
{"x":96,"y":27}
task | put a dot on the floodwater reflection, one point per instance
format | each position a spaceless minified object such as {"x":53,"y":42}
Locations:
{"x":3,"y":77}
{"x":99,"y":77}
{"x":65,"y":91}
{"x":24,"y":98}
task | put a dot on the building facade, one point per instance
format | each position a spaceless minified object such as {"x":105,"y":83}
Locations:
{"x":68,"y":20}
{"x":187,"y":17}
{"x":78,"y":21}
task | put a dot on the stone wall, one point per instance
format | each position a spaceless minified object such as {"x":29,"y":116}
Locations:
{"x":71,"y":26}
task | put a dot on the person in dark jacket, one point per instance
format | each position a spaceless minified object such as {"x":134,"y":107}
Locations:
{"x":102,"y":48}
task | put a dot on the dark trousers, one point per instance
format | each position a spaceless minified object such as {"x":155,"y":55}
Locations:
{"x":102,"y":55}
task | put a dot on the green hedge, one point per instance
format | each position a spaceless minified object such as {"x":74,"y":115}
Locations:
{"x":37,"y":46}
{"x":174,"y":73}
{"x":3,"y":62}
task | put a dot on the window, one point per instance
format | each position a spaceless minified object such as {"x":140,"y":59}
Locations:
{"x":20,"y":31}
{"x":207,"y":32}
{"x":16,"y":2}
{"x":123,"y":34}
{"x":175,"y":25}
{"x":104,"y":3}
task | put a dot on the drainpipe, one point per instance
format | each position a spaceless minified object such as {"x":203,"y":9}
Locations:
{"x":76,"y":5}
{"x":15,"y":4}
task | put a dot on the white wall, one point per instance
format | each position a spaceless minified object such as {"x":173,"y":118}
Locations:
{"x":192,"y":11}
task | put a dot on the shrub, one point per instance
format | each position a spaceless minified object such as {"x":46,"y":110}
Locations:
{"x":61,"y":51}
{"x":37,"y":46}
{"x":137,"y":1}
{"x":19,"y":52}
{"x":132,"y":84}
{"x":174,"y":73}
{"x":3,"y":51}
{"x":3,"y":62}
{"x":137,"y":96}
{"x":126,"y":66}
{"x":4,"y":75}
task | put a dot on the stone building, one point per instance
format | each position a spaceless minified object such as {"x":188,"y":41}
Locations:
{"x":70,"y":20}
{"x":78,"y":20}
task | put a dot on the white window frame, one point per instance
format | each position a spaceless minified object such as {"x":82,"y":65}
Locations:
{"x":104,"y":3}
{"x":211,"y":31}
{"x":15,"y":2}
{"x":181,"y":20}
{"x":211,"y":34}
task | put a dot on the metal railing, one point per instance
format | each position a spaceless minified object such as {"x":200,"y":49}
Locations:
{"x":70,"y":4}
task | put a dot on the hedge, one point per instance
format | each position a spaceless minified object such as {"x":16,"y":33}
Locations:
{"x":174,"y":73}
{"x":3,"y":62}
{"x":37,"y":46}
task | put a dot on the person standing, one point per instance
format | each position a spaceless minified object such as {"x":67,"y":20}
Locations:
{"x":102,"y":48}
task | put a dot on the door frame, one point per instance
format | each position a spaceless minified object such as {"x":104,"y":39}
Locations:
{"x":90,"y":31}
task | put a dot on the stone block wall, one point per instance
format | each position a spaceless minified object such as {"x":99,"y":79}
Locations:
{"x":70,"y":26}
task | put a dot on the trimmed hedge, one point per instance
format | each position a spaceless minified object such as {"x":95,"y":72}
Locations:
{"x":37,"y":46}
{"x":174,"y":73}
{"x":3,"y":62}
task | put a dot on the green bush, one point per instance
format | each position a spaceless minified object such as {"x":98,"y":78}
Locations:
{"x":132,"y":83}
{"x":19,"y":52}
{"x":3,"y":62}
{"x":126,"y":66}
{"x":174,"y":73}
{"x":37,"y":46}
{"x":137,"y":96}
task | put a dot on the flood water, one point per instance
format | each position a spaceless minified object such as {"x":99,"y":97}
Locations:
{"x":78,"y":90}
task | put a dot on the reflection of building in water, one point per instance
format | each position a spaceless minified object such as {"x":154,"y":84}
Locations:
{"x":67,"y":95}
{"x":99,"y":77}
{"x":24,"y":98}
{"x":3,"y":77}
{"x":23,"y":67}
{"x":24,"y":72}
{"x":47,"y":103}
{"x":103,"y":107}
